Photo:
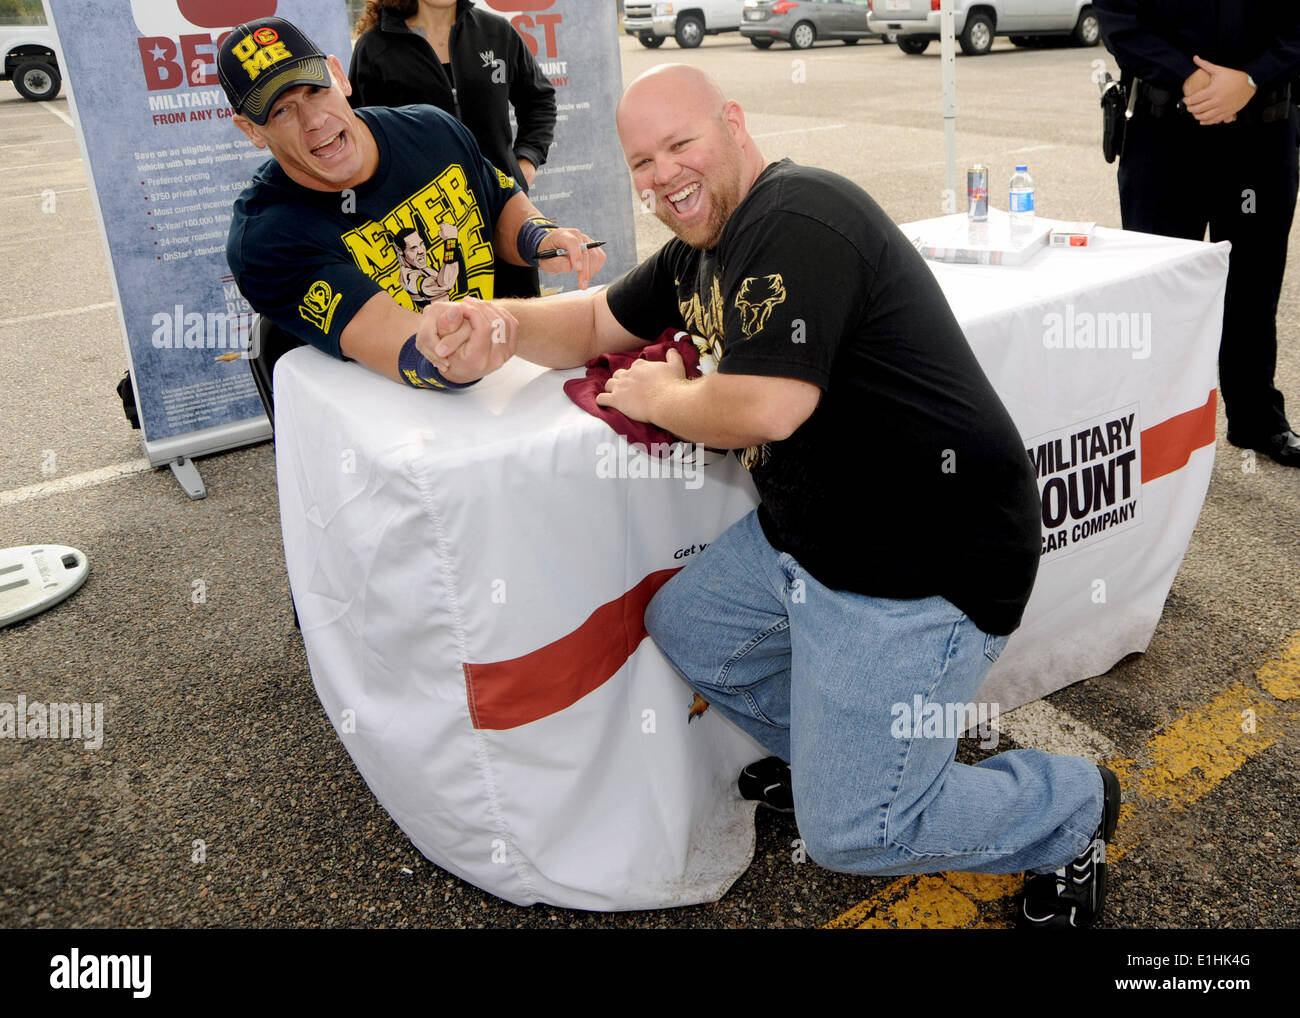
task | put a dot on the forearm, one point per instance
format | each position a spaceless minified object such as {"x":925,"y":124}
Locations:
{"x":721,"y":411}
{"x":505,"y":237}
{"x":556,"y":332}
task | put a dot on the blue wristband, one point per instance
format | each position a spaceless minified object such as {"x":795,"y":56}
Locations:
{"x":416,"y":370}
{"x":530,"y":237}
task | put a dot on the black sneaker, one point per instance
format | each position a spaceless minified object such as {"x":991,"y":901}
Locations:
{"x":1073,"y":896}
{"x":768,"y":781}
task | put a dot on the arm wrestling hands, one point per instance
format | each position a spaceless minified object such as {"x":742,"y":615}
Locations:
{"x":725,"y":411}
{"x":470,"y":338}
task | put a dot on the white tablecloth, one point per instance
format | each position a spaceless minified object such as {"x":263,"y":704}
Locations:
{"x":470,"y":579}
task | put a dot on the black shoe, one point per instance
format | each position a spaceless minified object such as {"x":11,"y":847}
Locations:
{"x":1284,"y":447}
{"x":1073,"y":896}
{"x":768,"y":781}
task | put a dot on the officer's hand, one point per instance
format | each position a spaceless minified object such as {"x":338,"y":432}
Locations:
{"x":1219,"y":101}
{"x":587,"y":261}
{"x":1196,"y":81}
{"x":467,"y":339}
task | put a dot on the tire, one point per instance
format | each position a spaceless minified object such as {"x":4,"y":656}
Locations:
{"x":849,"y":42}
{"x":912,"y":46}
{"x":1087,"y":32}
{"x":651,"y":41}
{"x":690,"y":32}
{"x":802,"y":35}
{"x":977,"y":36}
{"x":36,"y":80}
{"x":1021,"y":40}
{"x":760,"y":43}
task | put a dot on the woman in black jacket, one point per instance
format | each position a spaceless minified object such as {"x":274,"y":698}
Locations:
{"x":471,"y":64}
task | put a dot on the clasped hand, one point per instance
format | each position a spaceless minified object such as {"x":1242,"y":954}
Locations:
{"x":467,"y":339}
{"x":1214,"y":94}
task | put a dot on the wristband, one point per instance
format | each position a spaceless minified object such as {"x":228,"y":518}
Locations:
{"x":418,"y":372}
{"x":530,"y":238}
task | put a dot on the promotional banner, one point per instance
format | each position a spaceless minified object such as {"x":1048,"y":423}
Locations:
{"x":585,"y":182}
{"x":165,"y":165}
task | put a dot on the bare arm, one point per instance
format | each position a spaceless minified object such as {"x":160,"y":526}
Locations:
{"x":516,"y":212}
{"x":725,"y":411}
{"x":568,"y":330}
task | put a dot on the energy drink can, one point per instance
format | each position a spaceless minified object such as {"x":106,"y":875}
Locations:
{"x":977,"y":193}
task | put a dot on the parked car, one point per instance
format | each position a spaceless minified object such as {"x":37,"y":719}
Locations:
{"x":804,"y":22}
{"x":976,"y":22}
{"x":29,"y":61}
{"x":688,"y":22}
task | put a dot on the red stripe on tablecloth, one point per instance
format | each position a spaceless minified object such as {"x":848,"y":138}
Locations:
{"x":1167,"y":446}
{"x":506,"y":694}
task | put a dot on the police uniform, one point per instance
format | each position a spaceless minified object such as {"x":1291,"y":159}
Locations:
{"x":1176,"y":176}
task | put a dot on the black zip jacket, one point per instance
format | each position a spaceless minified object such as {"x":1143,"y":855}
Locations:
{"x":1155,"y":40}
{"x":393,"y":66}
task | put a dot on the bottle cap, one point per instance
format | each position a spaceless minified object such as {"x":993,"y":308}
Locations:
{"x":1022,"y":169}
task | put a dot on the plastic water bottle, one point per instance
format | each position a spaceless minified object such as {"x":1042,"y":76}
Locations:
{"x":1022,"y":199}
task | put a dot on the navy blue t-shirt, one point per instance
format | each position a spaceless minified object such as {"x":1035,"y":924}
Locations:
{"x":421,"y":228}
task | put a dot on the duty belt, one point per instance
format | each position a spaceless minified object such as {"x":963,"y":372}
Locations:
{"x":1263,"y":108}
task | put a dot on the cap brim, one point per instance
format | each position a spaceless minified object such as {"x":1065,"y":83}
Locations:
{"x":310,"y":70}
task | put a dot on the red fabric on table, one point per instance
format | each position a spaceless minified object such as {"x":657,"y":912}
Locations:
{"x":583,"y":391}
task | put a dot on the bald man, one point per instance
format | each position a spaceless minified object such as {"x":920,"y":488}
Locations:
{"x":898,"y":534}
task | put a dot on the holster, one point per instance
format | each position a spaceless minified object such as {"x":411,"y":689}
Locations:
{"x":1116,"y":111}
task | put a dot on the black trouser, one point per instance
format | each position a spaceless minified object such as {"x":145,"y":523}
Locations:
{"x":1175,"y":178}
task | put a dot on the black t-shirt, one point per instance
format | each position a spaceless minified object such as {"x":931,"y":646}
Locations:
{"x":909,"y":479}
{"x":421,"y":228}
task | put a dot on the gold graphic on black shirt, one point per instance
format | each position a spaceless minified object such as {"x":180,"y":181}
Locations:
{"x":704,"y":322}
{"x":757,"y":297}
{"x":318,"y":304}
{"x":703,"y":318}
{"x":426,"y":221}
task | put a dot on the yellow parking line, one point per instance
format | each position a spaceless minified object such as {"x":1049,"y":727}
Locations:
{"x":1193,"y":754}
{"x":1187,"y":759}
{"x":1281,"y":678}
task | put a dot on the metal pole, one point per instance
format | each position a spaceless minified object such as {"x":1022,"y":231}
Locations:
{"x":948,"y":63}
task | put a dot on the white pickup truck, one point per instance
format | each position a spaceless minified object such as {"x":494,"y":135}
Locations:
{"x":29,"y":61}
{"x":687,"y":22}
{"x":976,"y":22}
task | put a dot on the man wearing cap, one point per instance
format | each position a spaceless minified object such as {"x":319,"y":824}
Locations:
{"x":312,"y":239}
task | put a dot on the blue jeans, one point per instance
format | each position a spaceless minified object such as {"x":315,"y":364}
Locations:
{"x":819,"y":677}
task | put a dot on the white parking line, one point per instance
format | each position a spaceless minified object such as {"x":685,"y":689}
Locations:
{"x":40,"y":194}
{"x":56,"y":112}
{"x":6,"y":322}
{"x":89,"y":479}
{"x":1039,"y":725}
{"x":33,"y":144}
{"x":38,"y":166}
{"x":799,"y":130}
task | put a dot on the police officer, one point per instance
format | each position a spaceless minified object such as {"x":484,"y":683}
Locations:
{"x":1213,"y":141}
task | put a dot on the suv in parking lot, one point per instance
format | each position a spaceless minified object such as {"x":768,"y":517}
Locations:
{"x":976,"y":22}
{"x":28,"y":52}
{"x":688,"y":22}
